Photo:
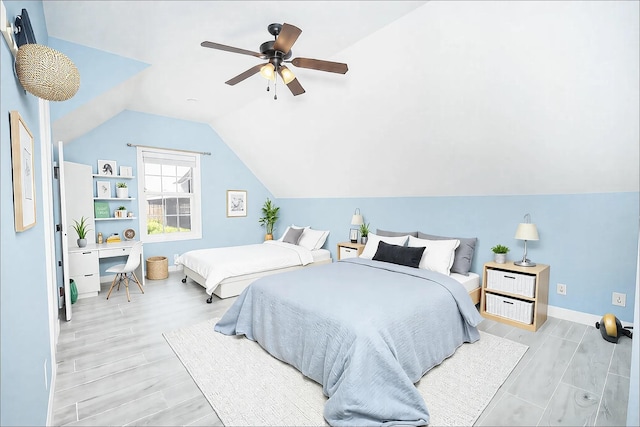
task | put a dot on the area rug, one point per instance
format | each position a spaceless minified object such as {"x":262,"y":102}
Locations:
{"x":248,"y":387}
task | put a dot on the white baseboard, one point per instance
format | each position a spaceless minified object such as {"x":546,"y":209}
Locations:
{"x":577,"y":316}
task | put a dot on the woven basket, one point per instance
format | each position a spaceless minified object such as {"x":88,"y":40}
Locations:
{"x":46,"y":73}
{"x":157,"y":267}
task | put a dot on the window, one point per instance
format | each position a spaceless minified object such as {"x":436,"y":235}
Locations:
{"x":169,"y":189}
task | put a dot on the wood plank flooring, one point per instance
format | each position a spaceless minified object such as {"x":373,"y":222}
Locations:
{"x":114,"y":367}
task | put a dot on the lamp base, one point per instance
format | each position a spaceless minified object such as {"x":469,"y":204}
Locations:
{"x":524,"y":263}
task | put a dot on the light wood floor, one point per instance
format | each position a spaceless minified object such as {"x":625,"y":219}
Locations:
{"x":115,"y":367}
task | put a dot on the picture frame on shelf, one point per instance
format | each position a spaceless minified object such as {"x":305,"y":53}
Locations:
{"x":101,"y":210}
{"x":236,"y":203}
{"x":24,"y":194}
{"x":353,"y":235}
{"x":103,"y":189}
{"x":107,"y":168}
{"x":126,"y":171}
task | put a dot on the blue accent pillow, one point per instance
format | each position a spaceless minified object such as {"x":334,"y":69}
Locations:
{"x":401,"y":255}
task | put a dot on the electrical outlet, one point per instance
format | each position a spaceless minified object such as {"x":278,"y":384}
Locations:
{"x":561,"y":289}
{"x":619,"y":299}
{"x":175,"y":259}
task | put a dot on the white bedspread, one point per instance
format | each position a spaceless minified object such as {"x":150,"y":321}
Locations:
{"x":217,"y":264}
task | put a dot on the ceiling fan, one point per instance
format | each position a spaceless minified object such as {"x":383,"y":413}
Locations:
{"x":278,"y":52}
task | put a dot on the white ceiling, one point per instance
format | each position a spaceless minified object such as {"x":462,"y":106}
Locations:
{"x":441,"y":98}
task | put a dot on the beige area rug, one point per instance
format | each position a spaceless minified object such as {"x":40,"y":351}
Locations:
{"x":248,"y":387}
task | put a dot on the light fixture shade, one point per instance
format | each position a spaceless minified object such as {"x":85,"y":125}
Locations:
{"x":268,"y":71}
{"x":527,"y":231}
{"x":46,"y":72}
{"x":286,"y":74}
{"x":357,"y":219}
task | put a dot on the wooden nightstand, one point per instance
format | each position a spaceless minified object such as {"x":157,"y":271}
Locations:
{"x":349,"y":250}
{"x":515,"y":295}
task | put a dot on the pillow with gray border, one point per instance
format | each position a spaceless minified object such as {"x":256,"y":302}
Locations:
{"x":464,"y":252}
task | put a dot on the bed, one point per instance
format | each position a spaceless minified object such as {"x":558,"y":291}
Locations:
{"x":366,"y":329}
{"x":226,"y":271}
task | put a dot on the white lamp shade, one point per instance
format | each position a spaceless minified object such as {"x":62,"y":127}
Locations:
{"x":268,"y":71}
{"x":286,"y":74}
{"x":527,"y":231}
{"x":357,"y":219}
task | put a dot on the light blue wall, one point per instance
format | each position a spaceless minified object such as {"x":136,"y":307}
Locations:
{"x":221,"y":171}
{"x":589,"y":240}
{"x":24,"y":324}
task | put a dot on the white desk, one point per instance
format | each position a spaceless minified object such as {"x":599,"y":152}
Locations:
{"x":84,"y":264}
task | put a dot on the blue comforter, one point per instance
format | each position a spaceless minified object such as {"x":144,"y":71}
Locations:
{"x":366,"y":330}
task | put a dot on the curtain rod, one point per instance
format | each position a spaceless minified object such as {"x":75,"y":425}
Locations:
{"x":206,"y":153}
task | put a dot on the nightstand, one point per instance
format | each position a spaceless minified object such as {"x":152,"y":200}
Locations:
{"x":349,"y":250}
{"x":515,"y":295}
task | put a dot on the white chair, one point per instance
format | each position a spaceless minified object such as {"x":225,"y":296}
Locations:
{"x":124,"y":272}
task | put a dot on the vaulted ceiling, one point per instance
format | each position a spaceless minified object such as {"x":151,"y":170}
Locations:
{"x":442,"y":98}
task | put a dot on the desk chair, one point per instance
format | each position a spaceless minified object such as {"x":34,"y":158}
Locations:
{"x":124,"y":272}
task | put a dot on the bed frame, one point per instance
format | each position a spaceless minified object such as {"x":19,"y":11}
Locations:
{"x":475,"y":296}
{"x":233,"y":286}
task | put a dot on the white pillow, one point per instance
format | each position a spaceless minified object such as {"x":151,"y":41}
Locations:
{"x":372,"y":244}
{"x":312,"y":239}
{"x":438,"y":255}
{"x":287,"y":229}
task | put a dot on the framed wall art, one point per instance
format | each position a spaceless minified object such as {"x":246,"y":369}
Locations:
{"x":107,"y":168}
{"x":236,"y":203}
{"x":103,"y":189}
{"x":24,"y":184}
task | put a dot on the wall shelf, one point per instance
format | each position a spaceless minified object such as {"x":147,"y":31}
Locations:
{"x":115,"y":198}
{"x":115,"y":219}
{"x":95,"y":175}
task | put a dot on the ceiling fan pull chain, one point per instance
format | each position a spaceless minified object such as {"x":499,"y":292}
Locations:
{"x":268,"y":84}
{"x":275,"y":87}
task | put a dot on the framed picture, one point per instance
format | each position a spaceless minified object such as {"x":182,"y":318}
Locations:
{"x":353,"y":235}
{"x":107,"y":167}
{"x":24,"y":193}
{"x":236,"y":203}
{"x":103,"y":189}
{"x":126,"y":171}
{"x":101,"y":210}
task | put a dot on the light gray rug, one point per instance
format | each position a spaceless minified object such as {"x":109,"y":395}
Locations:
{"x":247,"y":387}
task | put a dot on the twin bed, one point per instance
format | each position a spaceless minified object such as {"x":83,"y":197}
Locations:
{"x":366,"y":329}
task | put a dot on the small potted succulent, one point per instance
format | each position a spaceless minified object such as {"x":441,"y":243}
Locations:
{"x":269,"y":218}
{"x":82,"y":228}
{"x":500,"y":253}
{"x":121,"y":212}
{"x":122,"y":192}
{"x":364,"y":233}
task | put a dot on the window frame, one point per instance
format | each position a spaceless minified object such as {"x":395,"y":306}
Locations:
{"x":196,"y":196}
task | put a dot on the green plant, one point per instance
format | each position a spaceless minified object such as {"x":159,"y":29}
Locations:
{"x":500,"y":249}
{"x":269,"y":215}
{"x":364,"y":230}
{"x":81,"y":228}
{"x":122,"y":208}
{"x":121,"y":185}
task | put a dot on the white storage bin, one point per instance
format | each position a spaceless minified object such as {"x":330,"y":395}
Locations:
{"x":514,"y":283}
{"x":348,"y":252}
{"x":511,"y":308}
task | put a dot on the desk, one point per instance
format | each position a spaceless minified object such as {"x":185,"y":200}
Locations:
{"x":84,"y":264}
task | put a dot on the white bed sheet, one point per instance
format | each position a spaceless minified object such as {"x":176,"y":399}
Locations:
{"x":470,"y":282}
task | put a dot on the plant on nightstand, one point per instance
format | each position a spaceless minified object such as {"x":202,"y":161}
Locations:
{"x":500,"y":252}
{"x":122,"y":192}
{"x":82,"y":229}
{"x":269,"y":218}
{"x":364,"y":233}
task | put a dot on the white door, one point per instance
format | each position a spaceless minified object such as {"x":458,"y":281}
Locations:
{"x":65,"y":238}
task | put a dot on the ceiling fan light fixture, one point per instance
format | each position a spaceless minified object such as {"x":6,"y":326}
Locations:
{"x":268,"y":71}
{"x":286,"y":74}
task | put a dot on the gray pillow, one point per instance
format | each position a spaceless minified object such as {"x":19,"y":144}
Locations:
{"x":395,"y":233}
{"x":293,"y":235}
{"x":464,"y":252}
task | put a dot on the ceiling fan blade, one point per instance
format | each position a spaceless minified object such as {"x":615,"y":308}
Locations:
{"x":317,"y":64}
{"x":294,"y":85}
{"x":232,"y":49}
{"x":287,"y":37}
{"x":242,"y":76}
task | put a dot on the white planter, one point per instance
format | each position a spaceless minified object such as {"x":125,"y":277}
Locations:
{"x":120,"y":213}
{"x":122,"y":193}
{"x":500,"y":258}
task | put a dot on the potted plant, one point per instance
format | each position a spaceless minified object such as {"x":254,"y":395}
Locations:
{"x":364,"y":233}
{"x":122,"y":192}
{"x":121,"y":212}
{"x":82,"y":229}
{"x":269,"y":218}
{"x":500,"y":252}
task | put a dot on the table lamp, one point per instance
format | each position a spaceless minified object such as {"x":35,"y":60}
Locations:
{"x":526,"y":231}
{"x":356,"y":219}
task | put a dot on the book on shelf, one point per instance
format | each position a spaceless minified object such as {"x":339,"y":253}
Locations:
{"x":101,"y":210}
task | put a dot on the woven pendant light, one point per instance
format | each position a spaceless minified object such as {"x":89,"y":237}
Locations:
{"x":46,"y":72}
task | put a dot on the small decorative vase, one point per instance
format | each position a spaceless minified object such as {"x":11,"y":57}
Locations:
{"x":120,"y":213}
{"x":82,"y":243}
{"x":122,"y":193}
{"x":363,"y":240}
{"x":501,"y":258}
